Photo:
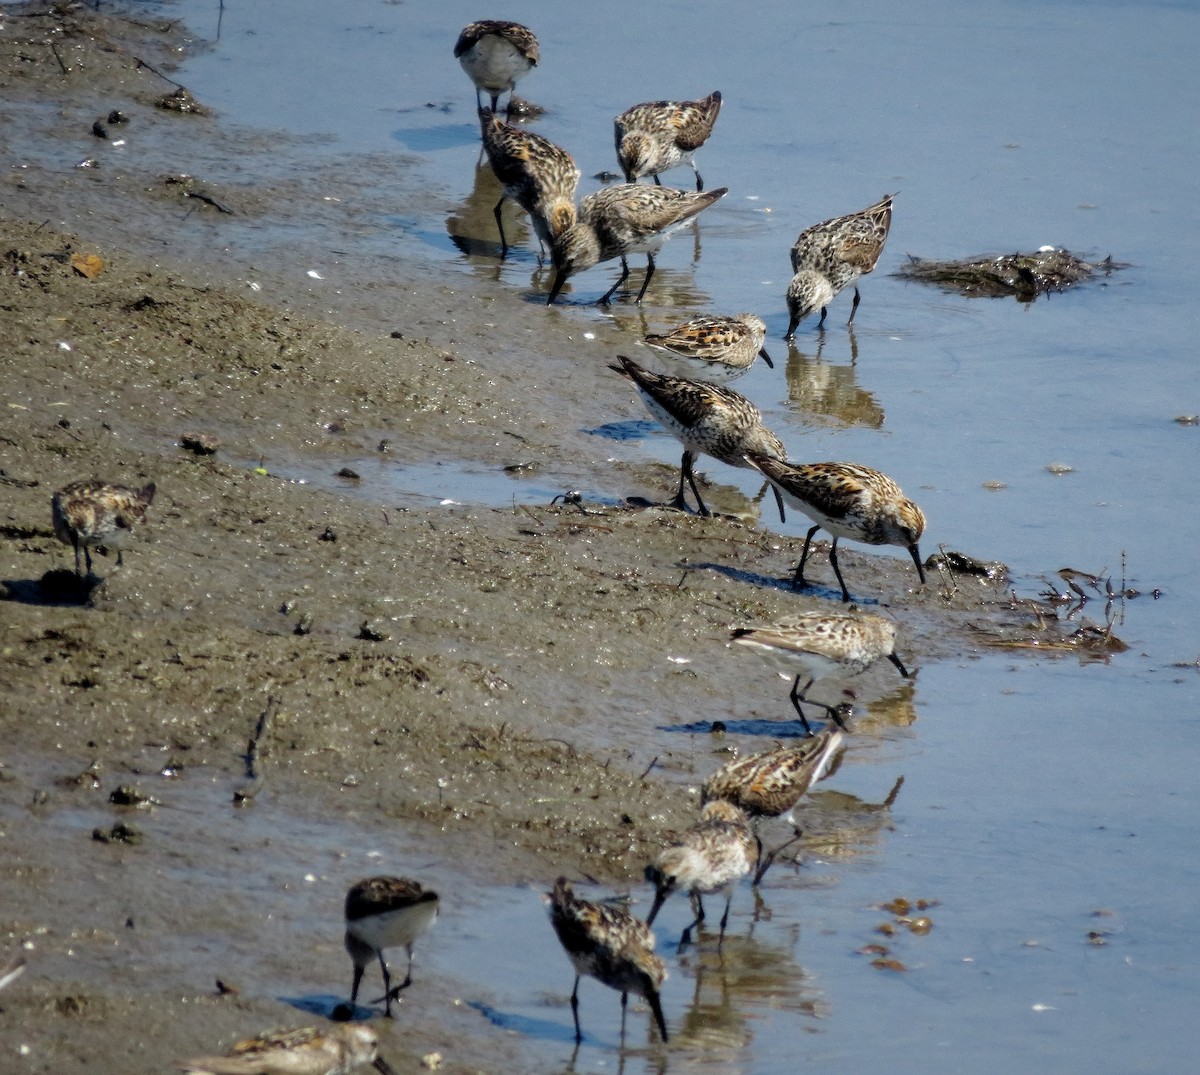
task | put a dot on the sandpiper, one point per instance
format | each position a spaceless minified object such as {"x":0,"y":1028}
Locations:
{"x":303,"y":1051}
{"x":709,"y":857}
{"x":820,"y":644}
{"x":540,"y":176}
{"x":723,"y":347}
{"x":607,"y":943}
{"x":496,"y":55}
{"x":769,"y":784}
{"x":708,"y":418}
{"x":90,"y":514}
{"x":657,"y":136}
{"x":833,"y":255}
{"x":623,"y":220}
{"x":848,"y":500}
{"x":381,"y":913}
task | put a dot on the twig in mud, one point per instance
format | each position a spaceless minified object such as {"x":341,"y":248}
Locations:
{"x":155,"y":71}
{"x":943,"y":566}
{"x":646,"y":772}
{"x":54,"y":49}
{"x":253,"y":786}
{"x":208,"y":199}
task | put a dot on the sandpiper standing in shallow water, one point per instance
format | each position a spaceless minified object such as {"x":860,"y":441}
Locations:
{"x":660,"y":135}
{"x":850,"y":501}
{"x":723,"y":347}
{"x":711,"y":856}
{"x":540,"y":176}
{"x":303,"y":1051}
{"x":769,"y":784}
{"x":381,"y":913}
{"x":820,"y":644}
{"x":708,"y":418}
{"x":833,"y":255}
{"x":496,"y":55}
{"x":93,"y":513}
{"x":623,"y":220}
{"x":608,"y":944}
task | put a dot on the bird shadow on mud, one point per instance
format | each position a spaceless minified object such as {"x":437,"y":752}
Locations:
{"x":55,"y":589}
{"x":768,"y":582}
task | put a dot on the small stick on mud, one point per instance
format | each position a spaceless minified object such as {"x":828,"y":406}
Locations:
{"x":54,"y":49}
{"x":155,"y":71}
{"x":247,"y":791}
{"x":646,"y":771}
{"x":208,"y":199}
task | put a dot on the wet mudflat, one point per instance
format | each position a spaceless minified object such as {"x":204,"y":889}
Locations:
{"x":490,"y":692}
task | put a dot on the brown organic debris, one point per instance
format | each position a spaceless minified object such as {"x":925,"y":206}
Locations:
{"x":1023,"y":276}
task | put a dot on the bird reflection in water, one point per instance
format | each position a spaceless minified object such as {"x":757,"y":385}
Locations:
{"x":818,"y":387}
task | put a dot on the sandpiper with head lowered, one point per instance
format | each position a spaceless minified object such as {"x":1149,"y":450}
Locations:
{"x":850,"y":501}
{"x":707,"y":418}
{"x":607,"y":943}
{"x":496,"y":55}
{"x":302,"y":1051}
{"x":711,"y":856}
{"x":657,"y":136}
{"x":538,"y":175}
{"x":623,"y":220}
{"x":720,"y":347}
{"x":833,"y":255}
{"x":821,"y":644}
{"x":381,"y":913}
{"x":96,"y":514}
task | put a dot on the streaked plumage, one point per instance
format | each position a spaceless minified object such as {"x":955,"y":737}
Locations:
{"x":724,"y":347}
{"x":711,"y":856}
{"x":381,"y":913}
{"x":822,"y":644}
{"x":657,"y":136}
{"x":833,"y":255}
{"x":336,"y":1050}
{"x":496,"y":55}
{"x":607,"y":943}
{"x":540,"y":176}
{"x":707,"y":418}
{"x":769,"y":784}
{"x":850,"y":501}
{"x":93,"y":513}
{"x":623,"y":220}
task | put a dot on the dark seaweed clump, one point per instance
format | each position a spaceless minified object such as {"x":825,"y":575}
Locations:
{"x":1024,"y":276}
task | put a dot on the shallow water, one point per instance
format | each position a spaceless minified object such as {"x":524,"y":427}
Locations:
{"x":1039,"y":791}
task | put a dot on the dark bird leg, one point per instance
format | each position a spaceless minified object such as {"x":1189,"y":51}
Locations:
{"x":607,"y":298}
{"x":500,"y":226}
{"x":358,"y":976}
{"x":725,"y":917}
{"x":699,"y":181}
{"x":495,"y":101}
{"x":685,"y":938}
{"x":657,"y":181}
{"x":798,"y":582}
{"x":575,"y":1010}
{"x":649,"y":274}
{"x":387,"y":986}
{"x":779,"y":501}
{"x":686,"y":471}
{"x":394,"y":994}
{"x":837,"y":570}
{"x":656,"y":1010}
{"x":854,"y":307}
{"x":799,"y":694}
{"x":769,"y":860}
{"x":823,"y":313}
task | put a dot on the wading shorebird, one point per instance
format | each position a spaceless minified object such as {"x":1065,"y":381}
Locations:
{"x":849,"y":501}
{"x":833,"y":255}
{"x":496,"y":55}
{"x":91,"y":514}
{"x":711,"y":856}
{"x":821,"y":644}
{"x":706,"y":418}
{"x":657,"y":136}
{"x":382,"y":913}
{"x":608,"y":944}
{"x":623,"y":220}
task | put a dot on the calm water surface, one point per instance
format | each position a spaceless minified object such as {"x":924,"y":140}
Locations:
{"x":1039,"y":792}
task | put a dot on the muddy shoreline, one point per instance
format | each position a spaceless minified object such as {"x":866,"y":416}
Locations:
{"x":443,"y":671}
